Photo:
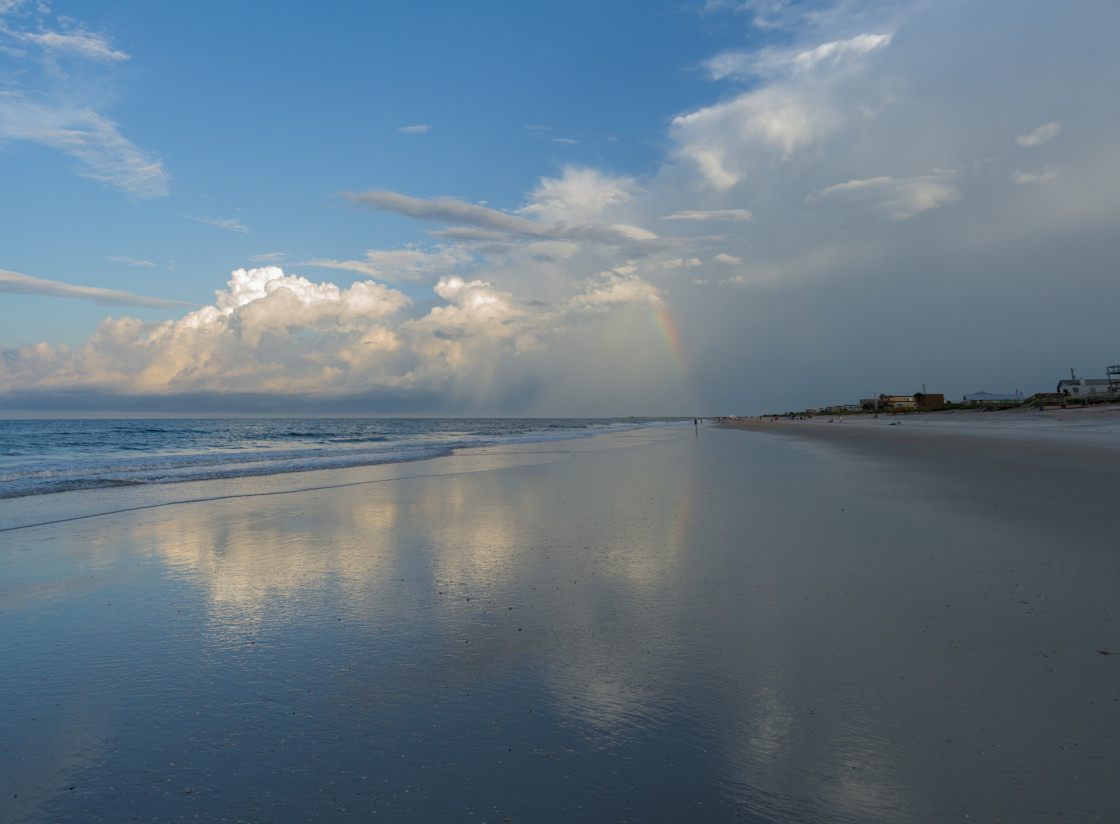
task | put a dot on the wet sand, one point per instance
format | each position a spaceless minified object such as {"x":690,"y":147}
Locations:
{"x":780,"y":625}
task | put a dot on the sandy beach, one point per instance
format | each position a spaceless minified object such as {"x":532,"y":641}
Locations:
{"x":799,"y":622}
{"x":1101,"y":419}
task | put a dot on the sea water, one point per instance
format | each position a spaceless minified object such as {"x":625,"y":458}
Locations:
{"x":40,"y":457}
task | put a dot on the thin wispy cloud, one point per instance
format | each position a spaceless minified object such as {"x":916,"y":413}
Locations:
{"x":445,"y":210}
{"x":226,"y":224}
{"x":130,"y":261}
{"x":104,"y":154}
{"x":563,"y":217}
{"x":77,"y":41}
{"x":710,"y":214}
{"x":897,"y":199}
{"x":54,"y":108}
{"x":419,"y":128}
{"x":402,"y":265}
{"x":1040,"y":136}
{"x":17,"y":283}
{"x":839,"y":50}
{"x":763,"y":14}
{"x":771,"y":62}
{"x":1037,"y":176}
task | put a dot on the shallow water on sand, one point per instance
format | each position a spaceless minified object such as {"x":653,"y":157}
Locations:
{"x":704,"y":624}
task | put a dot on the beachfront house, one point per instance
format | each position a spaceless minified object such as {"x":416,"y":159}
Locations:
{"x":902,"y":403}
{"x":897,"y":403}
{"x":1082,"y":387}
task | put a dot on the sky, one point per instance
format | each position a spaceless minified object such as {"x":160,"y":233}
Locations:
{"x":587,"y":208}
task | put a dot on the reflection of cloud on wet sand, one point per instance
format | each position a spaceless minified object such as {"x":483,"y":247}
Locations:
{"x":476,"y":539}
{"x":257,"y":559}
{"x":831,"y":751}
{"x":619,"y":664}
{"x":769,"y":732}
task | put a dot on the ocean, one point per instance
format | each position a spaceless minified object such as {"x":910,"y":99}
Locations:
{"x":40,"y":457}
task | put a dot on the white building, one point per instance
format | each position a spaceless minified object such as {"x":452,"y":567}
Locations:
{"x":1080,"y":387}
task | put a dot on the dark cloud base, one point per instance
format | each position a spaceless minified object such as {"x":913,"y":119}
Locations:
{"x":372,"y":404}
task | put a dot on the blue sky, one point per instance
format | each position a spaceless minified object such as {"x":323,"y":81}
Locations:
{"x":552,"y":208}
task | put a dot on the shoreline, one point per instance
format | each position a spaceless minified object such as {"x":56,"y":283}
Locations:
{"x":42,"y":510}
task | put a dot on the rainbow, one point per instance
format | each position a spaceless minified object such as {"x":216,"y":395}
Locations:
{"x":668,"y":329}
{"x":672,"y":337}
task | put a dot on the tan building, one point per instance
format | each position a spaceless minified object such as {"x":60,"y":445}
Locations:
{"x":897,"y":402}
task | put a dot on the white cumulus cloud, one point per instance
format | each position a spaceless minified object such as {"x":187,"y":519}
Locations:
{"x":682,"y":263}
{"x":611,"y":289}
{"x":276,"y":333}
{"x":579,"y":195}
